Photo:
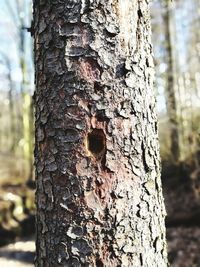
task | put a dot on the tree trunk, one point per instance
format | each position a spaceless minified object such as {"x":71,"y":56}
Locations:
{"x":99,"y":198}
{"x":13,"y":136}
{"x":170,"y":87}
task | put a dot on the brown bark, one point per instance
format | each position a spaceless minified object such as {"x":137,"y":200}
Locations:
{"x":99,"y":198}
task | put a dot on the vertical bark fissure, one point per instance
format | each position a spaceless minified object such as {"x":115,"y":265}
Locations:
{"x":96,"y":156}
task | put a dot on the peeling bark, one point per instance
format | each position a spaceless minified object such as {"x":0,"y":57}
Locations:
{"x":99,"y":198}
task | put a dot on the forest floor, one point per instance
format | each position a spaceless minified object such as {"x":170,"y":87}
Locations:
{"x":183,"y":223}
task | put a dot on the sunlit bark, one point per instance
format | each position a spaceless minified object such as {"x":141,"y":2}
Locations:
{"x":99,"y":197}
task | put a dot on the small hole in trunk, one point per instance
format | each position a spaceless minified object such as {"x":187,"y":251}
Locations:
{"x":96,"y":142}
{"x":99,"y":263}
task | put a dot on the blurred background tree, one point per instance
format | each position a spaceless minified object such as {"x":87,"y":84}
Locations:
{"x":176,"y":44}
{"x":176,"y":47}
{"x":16,"y":118}
{"x":17,"y":86}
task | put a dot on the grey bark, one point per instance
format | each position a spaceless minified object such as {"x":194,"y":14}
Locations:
{"x":99,"y":197}
{"x":170,"y":87}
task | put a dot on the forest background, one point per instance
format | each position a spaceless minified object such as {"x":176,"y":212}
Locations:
{"x":176,"y":42}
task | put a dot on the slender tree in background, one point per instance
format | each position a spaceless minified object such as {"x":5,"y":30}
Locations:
{"x":99,"y":198}
{"x":27,"y":118}
{"x":12,"y":120}
{"x":26,"y":121}
{"x":192,"y":78}
{"x":170,"y":85}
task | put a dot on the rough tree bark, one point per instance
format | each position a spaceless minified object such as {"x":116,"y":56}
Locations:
{"x":170,"y":86}
{"x":99,"y":197}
